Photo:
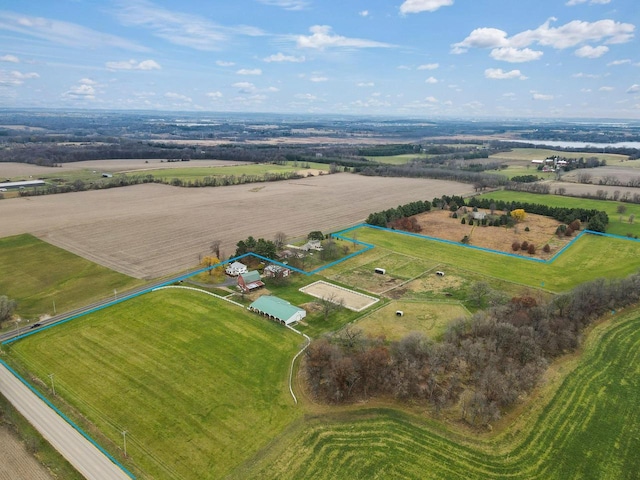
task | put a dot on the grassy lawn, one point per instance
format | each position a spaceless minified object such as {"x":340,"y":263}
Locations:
{"x":431,"y":319}
{"x":199,"y":384}
{"x":396,"y":159}
{"x":616,"y":225}
{"x":193,"y":173}
{"x":36,"y":274}
{"x":590,"y":257}
{"x":590,"y":428}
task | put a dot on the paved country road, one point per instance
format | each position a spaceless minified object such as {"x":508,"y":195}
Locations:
{"x":81,"y":453}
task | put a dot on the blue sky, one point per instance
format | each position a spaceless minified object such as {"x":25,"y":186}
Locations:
{"x":418,"y":58}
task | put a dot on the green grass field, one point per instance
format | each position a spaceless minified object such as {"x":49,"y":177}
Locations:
{"x":431,"y":319}
{"x":37,"y":274}
{"x":396,"y":159}
{"x":588,"y":258}
{"x":198,"y":383}
{"x":590,"y":428}
{"x":616,"y":226}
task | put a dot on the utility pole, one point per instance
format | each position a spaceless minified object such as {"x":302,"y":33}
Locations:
{"x":54,"y":307}
{"x":53,"y":386}
{"x":124,"y":439}
{"x":115,"y":294}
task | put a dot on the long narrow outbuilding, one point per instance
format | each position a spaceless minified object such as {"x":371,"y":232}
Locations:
{"x":278,"y":309}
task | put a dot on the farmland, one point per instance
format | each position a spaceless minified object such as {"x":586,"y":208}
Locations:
{"x":578,"y":431}
{"x":39,"y":274}
{"x":618,"y":223}
{"x":202,"y":393}
{"x":588,"y":258}
{"x":146,"y":231}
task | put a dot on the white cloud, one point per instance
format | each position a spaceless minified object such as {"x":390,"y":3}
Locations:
{"x":222,"y":63}
{"x":403,"y":67}
{"x":431,"y":99}
{"x":635,"y":88}
{"x":246,"y":71}
{"x":571,"y":3}
{"x":585,"y":75}
{"x":431,"y":80}
{"x":366,"y":84}
{"x":214,"y":95}
{"x":585,"y":90}
{"x":515,"y":55}
{"x":541,"y":96}
{"x":65,"y":33}
{"x":10,"y":59}
{"x":565,"y":36}
{"x":178,"y":97}
{"x":318,"y":79}
{"x":417,"y":6}
{"x":87,"y":81}
{"x":83,"y":91}
{"x":15,"y":78}
{"x":499,"y":74}
{"x":287,"y":4}
{"x":133,"y":65}
{"x":364,"y":13}
{"x":322,"y":37}
{"x":591,"y":52}
{"x":179,"y":28}
{"x":245,"y":87}
{"x":619,"y":62}
{"x":606,"y":89}
{"x":281,"y":57}
{"x":428,"y":66}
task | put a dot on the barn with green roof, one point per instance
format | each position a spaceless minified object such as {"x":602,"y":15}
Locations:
{"x":278,"y":309}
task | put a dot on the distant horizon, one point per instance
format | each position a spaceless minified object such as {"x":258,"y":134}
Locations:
{"x":391,"y":117}
{"x":405,"y":58}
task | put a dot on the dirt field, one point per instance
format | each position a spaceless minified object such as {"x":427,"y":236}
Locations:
{"x":16,"y":463}
{"x":150,"y":230}
{"x":439,"y":223}
{"x":352,"y":300}
{"x":11,"y":170}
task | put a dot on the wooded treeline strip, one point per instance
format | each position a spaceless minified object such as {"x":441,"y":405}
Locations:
{"x":483,"y":364}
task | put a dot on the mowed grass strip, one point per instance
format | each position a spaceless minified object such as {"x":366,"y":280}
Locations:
{"x":588,"y":258}
{"x":589,"y":429}
{"x":37,"y":274}
{"x":199,"y":384}
{"x":616,"y":226}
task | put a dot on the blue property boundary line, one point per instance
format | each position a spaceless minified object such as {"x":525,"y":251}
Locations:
{"x":340,"y":235}
{"x":67,"y":419}
{"x":474,"y":247}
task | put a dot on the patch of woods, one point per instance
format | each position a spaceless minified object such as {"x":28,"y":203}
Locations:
{"x":483,"y":365}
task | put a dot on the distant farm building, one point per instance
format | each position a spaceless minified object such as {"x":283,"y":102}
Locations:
{"x":479,"y":215}
{"x":250,"y":281}
{"x":22,"y":184}
{"x":278,"y":309}
{"x":273,"y":271}
{"x":107,"y":175}
{"x":236,"y":268}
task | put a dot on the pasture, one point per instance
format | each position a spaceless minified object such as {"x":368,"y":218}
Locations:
{"x":588,"y":258}
{"x":587,"y":426}
{"x":147,"y":231}
{"x":199,"y":384}
{"x":618,"y":223}
{"x":37,"y":274}
{"x":431,"y":319}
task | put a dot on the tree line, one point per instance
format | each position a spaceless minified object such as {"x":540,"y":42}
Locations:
{"x":483,"y":365}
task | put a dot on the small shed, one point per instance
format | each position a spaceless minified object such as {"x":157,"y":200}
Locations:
{"x":278,"y":309}
{"x":249,"y":281}
{"x":379,"y":270}
{"x":236,"y":268}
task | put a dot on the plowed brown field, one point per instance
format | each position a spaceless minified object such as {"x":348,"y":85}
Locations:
{"x":17,"y":463}
{"x":148,"y":231}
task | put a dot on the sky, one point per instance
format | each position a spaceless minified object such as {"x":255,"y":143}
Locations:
{"x":413,"y":58}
